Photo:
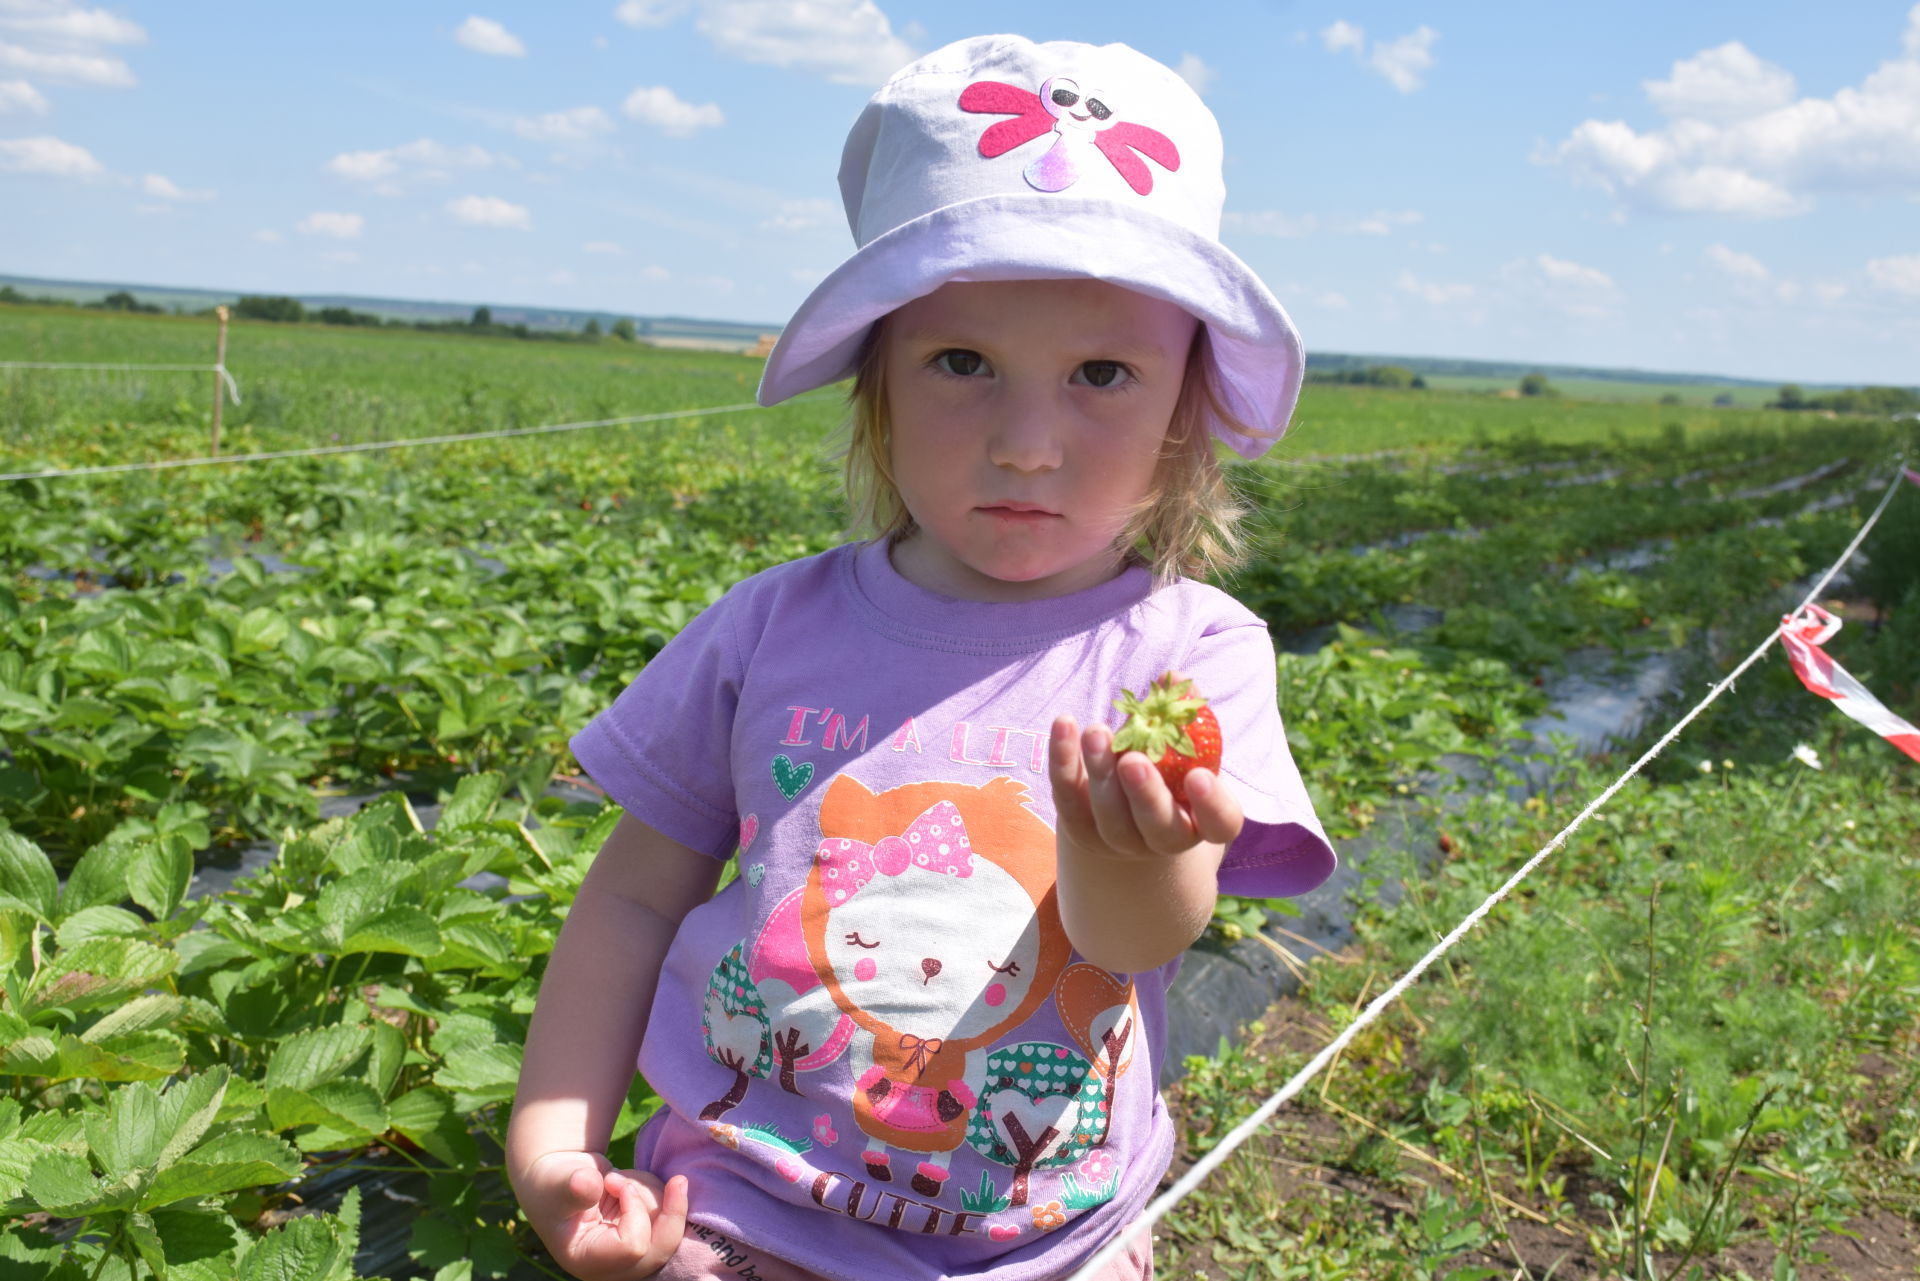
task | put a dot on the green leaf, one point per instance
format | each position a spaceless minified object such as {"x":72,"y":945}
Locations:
{"x":200,"y":1245}
{"x":225,"y":1163}
{"x":158,"y":879}
{"x":98,"y":972}
{"x":27,"y":876}
{"x":320,"y":1054}
{"x":146,"y":1240}
{"x":480,"y":1075}
{"x":100,"y":877}
{"x":426,"y":1116}
{"x":62,"y":1184}
{"x":474,"y":799}
{"x":260,"y":629}
{"x":131,"y":1056}
{"x":305,"y":1249}
{"x":345,"y":1112}
{"x":157,"y":1010}
{"x":97,"y":922}
{"x":407,"y":931}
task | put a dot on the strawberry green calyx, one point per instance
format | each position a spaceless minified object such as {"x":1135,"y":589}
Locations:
{"x":1157,"y":724}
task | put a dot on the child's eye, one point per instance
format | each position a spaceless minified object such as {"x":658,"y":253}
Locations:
{"x":855,"y":939}
{"x":1011,"y":967}
{"x":1105,"y":373}
{"x":959,"y":361}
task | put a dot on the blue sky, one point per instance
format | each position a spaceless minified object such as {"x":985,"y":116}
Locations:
{"x":1709,"y":187}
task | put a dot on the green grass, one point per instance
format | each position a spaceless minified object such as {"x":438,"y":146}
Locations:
{"x":465,"y":608}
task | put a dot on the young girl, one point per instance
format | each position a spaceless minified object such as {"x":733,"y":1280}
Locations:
{"x":920,"y":1035}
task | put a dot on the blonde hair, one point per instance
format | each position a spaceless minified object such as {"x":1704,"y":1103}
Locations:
{"x":1187,"y":524}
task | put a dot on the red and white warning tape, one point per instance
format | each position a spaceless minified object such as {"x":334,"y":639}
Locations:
{"x":1801,"y":635}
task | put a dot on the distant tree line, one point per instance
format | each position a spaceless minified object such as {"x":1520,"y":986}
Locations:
{"x":1885,"y":401}
{"x":280,"y":309}
{"x":1370,"y":376}
{"x":120,"y":300}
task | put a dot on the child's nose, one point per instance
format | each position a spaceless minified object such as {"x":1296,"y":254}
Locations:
{"x":1026,"y":437}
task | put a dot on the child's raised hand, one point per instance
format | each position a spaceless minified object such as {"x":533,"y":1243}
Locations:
{"x":599,"y":1223}
{"x":1120,"y":803}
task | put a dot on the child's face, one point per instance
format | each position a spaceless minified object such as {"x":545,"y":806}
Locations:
{"x":1026,"y":422}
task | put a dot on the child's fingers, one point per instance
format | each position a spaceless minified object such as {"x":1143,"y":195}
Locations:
{"x":1159,"y":818}
{"x":1106,"y":796}
{"x":669,"y":1224}
{"x":1067,"y":771}
{"x":1216,"y":810}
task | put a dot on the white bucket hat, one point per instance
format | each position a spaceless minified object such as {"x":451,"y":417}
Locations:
{"x":999,"y":159}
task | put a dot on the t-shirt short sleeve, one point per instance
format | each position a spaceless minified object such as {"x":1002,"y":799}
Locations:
{"x":1282,"y":851}
{"x":662,"y":750}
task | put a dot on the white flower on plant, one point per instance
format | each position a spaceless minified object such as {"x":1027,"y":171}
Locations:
{"x":1806,"y":756}
{"x":1706,"y":767}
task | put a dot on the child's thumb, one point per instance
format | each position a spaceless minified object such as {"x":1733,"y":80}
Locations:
{"x":584,"y":1188}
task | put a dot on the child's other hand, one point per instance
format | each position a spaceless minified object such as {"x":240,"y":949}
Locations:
{"x":1120,"y":803}
{"x":603,"y":1224}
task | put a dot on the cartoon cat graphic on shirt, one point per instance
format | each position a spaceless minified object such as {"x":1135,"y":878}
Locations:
{"x":930,"y":918}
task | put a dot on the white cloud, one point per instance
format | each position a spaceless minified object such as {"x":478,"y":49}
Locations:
{"x":59,"y":41}
{"x":802,"y":215}
{"x":1899,"y":274}
{"x":1723,"y":84}
{"x":604,"y":247}
{"x":484,"y":35}
{"x":1271,"y":222}
{"x":18,"y":95}
{"x":1566,"y":272}
{"x":59,"y":20}
{"x":1736,"y":264}
{"x":1404,"y":62}
{"x":422,"y":159}
{"x":560,"y":276}
{"x":1435,"y":292}
{"x":161,"y":187}
{"x":75,"y":68}
{"x":848,"y":41}
{"x":666,"y":111}
{"x":1196,"y":72}
{"x":491,"y":211}
{"x":1737,"y":140}
{"x":47,"y":155}
{"x":340,"y":226}
{"x":1344,"y":35}
{"x":806,"y":275}
{"x":649,"y":13}
{"x":574,"y":125}
{"x":267,"y":236}
{"x":654,"y":271}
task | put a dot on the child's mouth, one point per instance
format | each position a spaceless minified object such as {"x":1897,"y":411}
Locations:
{"x":1018,"y":513}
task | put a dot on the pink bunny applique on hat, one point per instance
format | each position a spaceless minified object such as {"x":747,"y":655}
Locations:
{"x":1079,"y":121}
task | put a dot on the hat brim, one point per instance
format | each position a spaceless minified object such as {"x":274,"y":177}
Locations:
{"x":1256,"y":352}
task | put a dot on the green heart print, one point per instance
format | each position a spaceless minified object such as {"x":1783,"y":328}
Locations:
{"x":791,"y":779}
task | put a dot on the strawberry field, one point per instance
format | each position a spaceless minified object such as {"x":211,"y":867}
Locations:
{"x":196,"y":663}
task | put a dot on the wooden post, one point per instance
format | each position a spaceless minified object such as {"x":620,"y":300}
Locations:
{"x":219,"y":378}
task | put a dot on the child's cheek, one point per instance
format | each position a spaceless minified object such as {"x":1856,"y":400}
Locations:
{"x":865,"y":969}
{"x":995,"y":995}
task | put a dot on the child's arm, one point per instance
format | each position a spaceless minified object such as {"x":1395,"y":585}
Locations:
{"x":586,"y":1033}
{"x":1138,"y":871}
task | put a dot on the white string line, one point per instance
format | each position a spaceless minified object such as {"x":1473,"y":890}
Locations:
{"x":367,"y":446}
{"x":233,"y":388}
{"x":1246,"y":1129}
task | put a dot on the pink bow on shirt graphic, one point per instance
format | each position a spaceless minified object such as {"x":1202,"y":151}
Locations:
{"x":936,"y":841}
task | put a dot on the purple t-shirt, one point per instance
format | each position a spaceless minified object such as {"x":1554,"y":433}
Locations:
{"x":879,"y":1055}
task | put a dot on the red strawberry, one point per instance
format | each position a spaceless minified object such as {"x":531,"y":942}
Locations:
{"x":1173,"y":726}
